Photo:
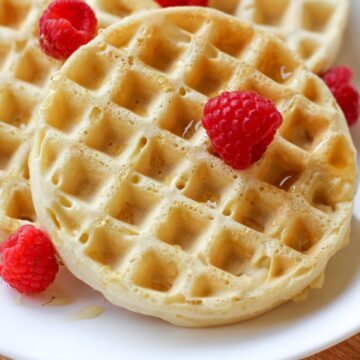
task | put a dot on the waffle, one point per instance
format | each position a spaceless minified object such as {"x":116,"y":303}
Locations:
{"x":124,"y":180}
{"x":25,"y":72}
{"x":312,"y":28}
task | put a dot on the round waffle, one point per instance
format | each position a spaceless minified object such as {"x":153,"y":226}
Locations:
{"x":124,"y":181}
{"x":25,"y":72}
{"x":312,"y":28}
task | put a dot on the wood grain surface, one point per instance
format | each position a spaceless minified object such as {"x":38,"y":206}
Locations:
{"x":347,"y":350}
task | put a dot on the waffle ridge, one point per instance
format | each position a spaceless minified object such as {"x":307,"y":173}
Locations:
{"x":25,"y":75}
{"x":124,"y":180}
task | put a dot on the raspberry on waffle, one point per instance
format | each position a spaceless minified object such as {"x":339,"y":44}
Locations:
{"x":241,"y":125}
{"x":338,"y":79}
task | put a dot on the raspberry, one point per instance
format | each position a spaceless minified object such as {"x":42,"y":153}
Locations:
{"x":338,"y":79}
{"x":241,"y":125}
{"x":28,"y":260}
{"x":167,"y":3}
{"x":65,"y":26}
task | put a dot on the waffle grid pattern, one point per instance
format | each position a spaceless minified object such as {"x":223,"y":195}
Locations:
{"x":25,"y":75}
{"x":130,"y":177}
{"x":312,"y":28}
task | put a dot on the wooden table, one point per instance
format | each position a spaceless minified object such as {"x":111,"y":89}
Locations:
{"x":348,"y":350}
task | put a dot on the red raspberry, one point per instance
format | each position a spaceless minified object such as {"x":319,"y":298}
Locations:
{"x":28,"y":260}
{"x":241,"y":125}
{"x":65,"y":26}
{"x":167,"y":3}
{"x":338,"y":79}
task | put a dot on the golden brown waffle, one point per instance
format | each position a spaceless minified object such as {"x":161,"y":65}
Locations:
{"x":312,"y":28}
{"x":125,"y":183}
{"x":25,"y":72}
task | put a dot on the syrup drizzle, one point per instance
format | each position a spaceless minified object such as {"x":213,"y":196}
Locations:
{"x":88,"y":312}
{"x":285,"y":74}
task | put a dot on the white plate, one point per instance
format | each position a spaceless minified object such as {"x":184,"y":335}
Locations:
{"x":31,"y":331}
